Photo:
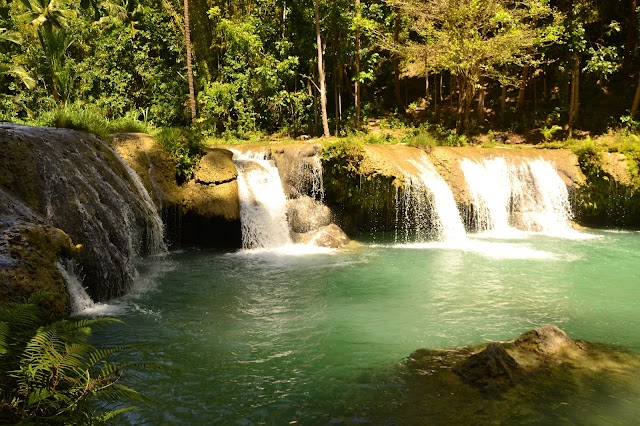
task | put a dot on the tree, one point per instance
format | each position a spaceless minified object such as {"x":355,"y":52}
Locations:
{"x":474,"y":39}
{"x":49,"y":22}
{"x":187,"y":35}
{"x":321,"y":74}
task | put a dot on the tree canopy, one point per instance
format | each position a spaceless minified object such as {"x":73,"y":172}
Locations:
{"x":518,"y":65}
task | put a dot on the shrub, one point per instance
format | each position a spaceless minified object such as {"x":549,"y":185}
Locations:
{"x":185,"y":145}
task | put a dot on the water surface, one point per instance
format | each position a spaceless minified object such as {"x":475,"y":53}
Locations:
{"x":267,"y":338}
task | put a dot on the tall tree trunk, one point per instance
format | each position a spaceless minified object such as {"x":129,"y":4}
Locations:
{"x":426,"y":87}
{"x":435,"y":94}
{"x":441,"y":98}
{"x":321,"y":76}
{"x":481,"y":96}
{"x":396,"y":63}
{"x":187,"y":34}
{"x":465,"y":97}
{"x":574,"y":102}
{"x":522,"y":90}
{"x":636,"y":99}
{"x":503,"y":101}
{"x":356,"y":84}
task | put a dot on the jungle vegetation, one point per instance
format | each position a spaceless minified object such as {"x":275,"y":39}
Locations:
{"x":237,"y":68}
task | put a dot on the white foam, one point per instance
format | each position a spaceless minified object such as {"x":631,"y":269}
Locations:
{"x":493,"y":250}
{"x":287,"y":250}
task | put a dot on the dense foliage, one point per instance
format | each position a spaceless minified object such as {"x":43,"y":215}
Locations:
{"x":471,"y":65}
{"x":50,"y":373}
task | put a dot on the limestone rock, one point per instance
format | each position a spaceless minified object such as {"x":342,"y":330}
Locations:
{"x":79,"y":184}
{"x":547,"y":340}
{"x":491,"y":368}
{"x":28,"y":256}
{"x":204,"y":211}
{"x":306,"y":214}
{"x":216,"y":168}
{"x":537,"y":355}
{"x":296,"y":165}
{"x":330,"y":236}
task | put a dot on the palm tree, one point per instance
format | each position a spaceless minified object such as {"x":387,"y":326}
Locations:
{"x":49,"y":21}
{"x":7,"y":68}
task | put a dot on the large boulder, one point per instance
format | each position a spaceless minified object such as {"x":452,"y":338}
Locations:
{"x":299,"y":168}
{"x":29,"y":254}
{"x":213,"y":192}
{"x":330,"y":236}
{"x":306,"y":214}
{"x":536,"y":354}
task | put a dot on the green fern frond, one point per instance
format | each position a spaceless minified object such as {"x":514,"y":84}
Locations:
{"x":4,"y":334}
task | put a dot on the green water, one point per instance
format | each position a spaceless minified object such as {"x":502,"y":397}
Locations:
{"x":320,"y":339}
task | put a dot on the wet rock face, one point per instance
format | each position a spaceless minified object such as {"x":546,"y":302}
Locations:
{"x":204,"y":211}
{"x":300,"y":169}
{"x":531,"y":359}
{"x":76,"y":183}
{"x":29,"y":250}
{"x":306,"y":214}
{"x":330,"y":236}
{"x":491,"y":368}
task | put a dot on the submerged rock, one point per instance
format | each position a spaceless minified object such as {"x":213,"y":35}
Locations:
{"x":537,"y":355}
{"x":493,"y":367}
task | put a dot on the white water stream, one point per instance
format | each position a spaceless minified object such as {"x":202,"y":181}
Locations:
{"x":509,"y":198}
{"x":427,"y":208}
{"x":263,"y":204}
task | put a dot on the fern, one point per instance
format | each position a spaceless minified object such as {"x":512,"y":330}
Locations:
{"x":49,"y":370}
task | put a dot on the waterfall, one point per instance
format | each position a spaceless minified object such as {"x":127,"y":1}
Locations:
{"x":81,"y":302}
{"x":426,"y":207}
{"x":77,"y":183}
{"x":155,"y":243}
{"x":528,"y":195}
{"x":263,"y":204}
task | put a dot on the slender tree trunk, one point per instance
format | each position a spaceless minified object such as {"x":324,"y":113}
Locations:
{"x":396,"y":63}
{"x":545,"y":89}
{"x":503,"y":101}
{"x":451,"y":90}
{"x":522,"y":90}
{"x":636,"y":99}
{"x":187,"y":33}
{"x":441,"y":98}
{"x":481,"y":96}
{"x":321,"y":76}
{"x":356,"y":84}
{"x":426,"y":87}
{"x":574,"y":102}
{"x":435,"y":94}
{"x":535,"y":93}
{"x":466,"y":95}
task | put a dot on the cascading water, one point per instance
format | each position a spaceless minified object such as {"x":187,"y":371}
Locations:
{"x":263,"y":204}
{"x":77,"y":183}
{"x":527,"y":196}
{"x":426,"y":207}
